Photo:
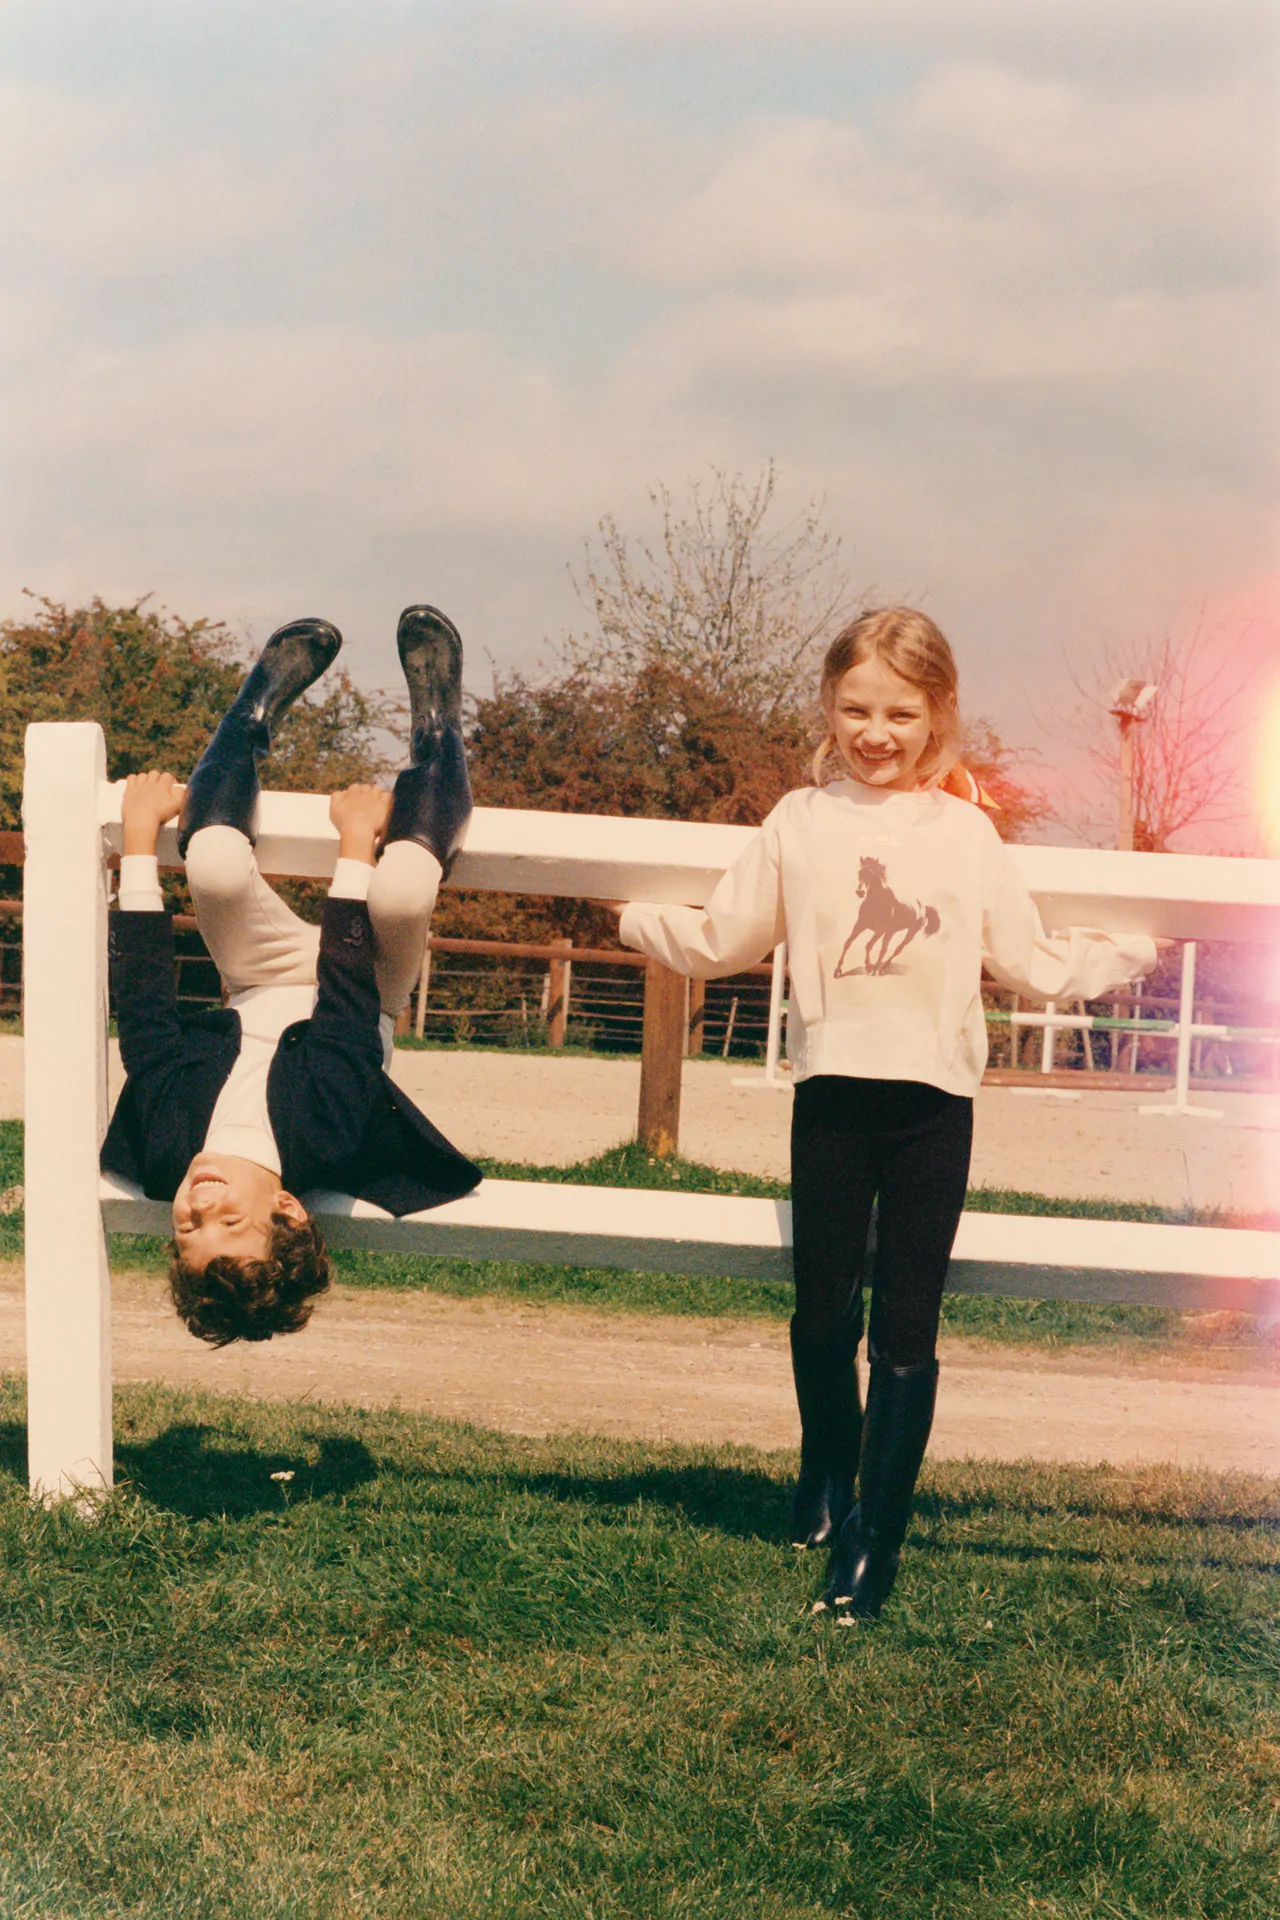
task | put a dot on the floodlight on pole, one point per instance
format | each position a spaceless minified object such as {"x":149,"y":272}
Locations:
{"x":1130,"y":702}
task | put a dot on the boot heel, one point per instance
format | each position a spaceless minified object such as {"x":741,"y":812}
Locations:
{"x":864,"y":1559}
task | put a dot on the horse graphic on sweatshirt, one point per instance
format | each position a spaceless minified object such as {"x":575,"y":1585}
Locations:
{"x":883,"y":918}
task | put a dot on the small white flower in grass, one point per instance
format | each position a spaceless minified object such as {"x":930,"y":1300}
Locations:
{"x":286,"y":1475}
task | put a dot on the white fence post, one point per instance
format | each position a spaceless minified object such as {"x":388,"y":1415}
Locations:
{"x":64,"y":1012}
{"x":1180,"y":1104}
{"x":773,"y":1080}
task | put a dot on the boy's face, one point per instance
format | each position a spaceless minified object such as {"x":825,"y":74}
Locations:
{"x":224,"y":1208}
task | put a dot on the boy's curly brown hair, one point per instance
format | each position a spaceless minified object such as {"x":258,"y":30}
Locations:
{"x":253,"y":1299}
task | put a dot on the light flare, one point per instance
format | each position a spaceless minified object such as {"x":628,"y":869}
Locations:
{"x":1269,"y":773}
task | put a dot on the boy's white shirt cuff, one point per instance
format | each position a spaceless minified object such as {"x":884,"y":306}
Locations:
{"x":139,"y":890}
{"x":350,"y":880}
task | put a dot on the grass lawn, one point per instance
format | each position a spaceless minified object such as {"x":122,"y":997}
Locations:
{"x":445,"y":1672}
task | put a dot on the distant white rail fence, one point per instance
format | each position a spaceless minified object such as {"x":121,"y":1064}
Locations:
{"x":71,"y":817}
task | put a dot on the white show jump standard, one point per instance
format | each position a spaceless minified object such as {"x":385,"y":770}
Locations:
{"x":71,"y":817}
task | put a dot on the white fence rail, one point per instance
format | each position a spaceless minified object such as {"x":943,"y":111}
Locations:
{"x":71,"y":818}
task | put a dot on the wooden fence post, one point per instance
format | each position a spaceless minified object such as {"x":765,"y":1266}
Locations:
{"x":697,"y":1013}
{"x":424,"y":985}
{"x":661,"y":1058}
{"x":558,"y":976}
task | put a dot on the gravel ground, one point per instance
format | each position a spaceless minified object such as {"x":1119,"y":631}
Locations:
{"x":558,"y":1109}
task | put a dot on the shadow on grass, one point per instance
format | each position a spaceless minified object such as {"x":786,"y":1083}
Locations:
{"x":1195,"y":1516}
{"x":739,"y":1501}
{"x":13,"y":1450}
{"x":188,"y":1469}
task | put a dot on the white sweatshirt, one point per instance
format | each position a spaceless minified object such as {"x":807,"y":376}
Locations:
{"x":890,"y":904}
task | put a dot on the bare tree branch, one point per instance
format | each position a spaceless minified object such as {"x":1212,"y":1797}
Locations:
{"x":721,"y":597}
{"x":1188,"y":754}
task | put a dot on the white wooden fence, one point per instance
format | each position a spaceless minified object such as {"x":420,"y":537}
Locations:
{"x":71,"y":818}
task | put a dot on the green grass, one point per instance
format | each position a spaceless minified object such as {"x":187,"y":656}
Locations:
{"x":1049,"y":1323}
{"x":446,"y":1672}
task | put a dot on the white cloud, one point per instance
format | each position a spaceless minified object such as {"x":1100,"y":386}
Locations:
{"x":441,"y":426}
{"x":87,"y":195}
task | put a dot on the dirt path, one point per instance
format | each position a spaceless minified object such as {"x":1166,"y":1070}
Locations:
{"x":540,"y":1370}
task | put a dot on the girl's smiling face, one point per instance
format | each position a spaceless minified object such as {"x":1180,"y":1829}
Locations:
{"x":882,"y":725}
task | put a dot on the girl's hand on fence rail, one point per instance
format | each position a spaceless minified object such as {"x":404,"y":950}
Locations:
{"x":150,"y":799}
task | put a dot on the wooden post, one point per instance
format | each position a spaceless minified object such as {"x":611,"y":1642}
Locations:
{"x":661,"y":1057}
{"x":1124,"y":826}
{"x":1085,"y":1037}
{"x":65,"y":1100}
{"x":558,"y":974}
{"x":424,"y":984}
{"x":697,"y":1011}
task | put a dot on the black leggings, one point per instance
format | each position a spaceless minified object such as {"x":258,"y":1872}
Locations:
{"x":904,"y":1146}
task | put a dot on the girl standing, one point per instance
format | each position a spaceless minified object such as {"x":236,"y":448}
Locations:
{"x":891,"y":895}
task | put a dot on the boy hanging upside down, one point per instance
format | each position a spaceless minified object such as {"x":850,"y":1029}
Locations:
{"x":234,"y":1113}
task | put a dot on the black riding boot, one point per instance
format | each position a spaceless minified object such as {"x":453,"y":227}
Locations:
{"x":223,"y":790}
{"x":432,"y":800}
{"x":830,"y":1431}
{"x":864,"y":1560}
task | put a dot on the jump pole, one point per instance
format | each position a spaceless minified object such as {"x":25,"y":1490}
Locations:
{"x":64,"y":1015}
{"x":773,"y":1081}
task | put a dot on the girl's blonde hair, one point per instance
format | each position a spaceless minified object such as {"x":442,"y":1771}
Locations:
{"x":912,"y":646}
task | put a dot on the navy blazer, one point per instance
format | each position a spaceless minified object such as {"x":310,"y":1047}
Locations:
{"x":339,"y":1121}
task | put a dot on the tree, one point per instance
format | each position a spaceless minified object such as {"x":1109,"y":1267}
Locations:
{"x":663,"y":745}
{"x":1019,"y":808}
{"x":158,"y":685}
{"x":723,"y":599}
{"x":692,"y":697}
{"x":1187,"y":752}
{"x":687,"y":697}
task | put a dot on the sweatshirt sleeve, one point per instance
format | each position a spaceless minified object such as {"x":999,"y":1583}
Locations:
{"x":1081,"y":963}
{"x":140,"y":884}
{"x":741,"y":922}
{"x":350,"y":880}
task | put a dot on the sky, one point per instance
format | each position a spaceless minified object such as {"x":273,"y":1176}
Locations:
{"x":331,"y":307}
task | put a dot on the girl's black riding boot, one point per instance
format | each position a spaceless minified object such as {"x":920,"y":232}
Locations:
{"x":432,"y":800}
{"x":864,"y":1560}
{"x":826,"y":1380}
{"x":223,"y":790}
